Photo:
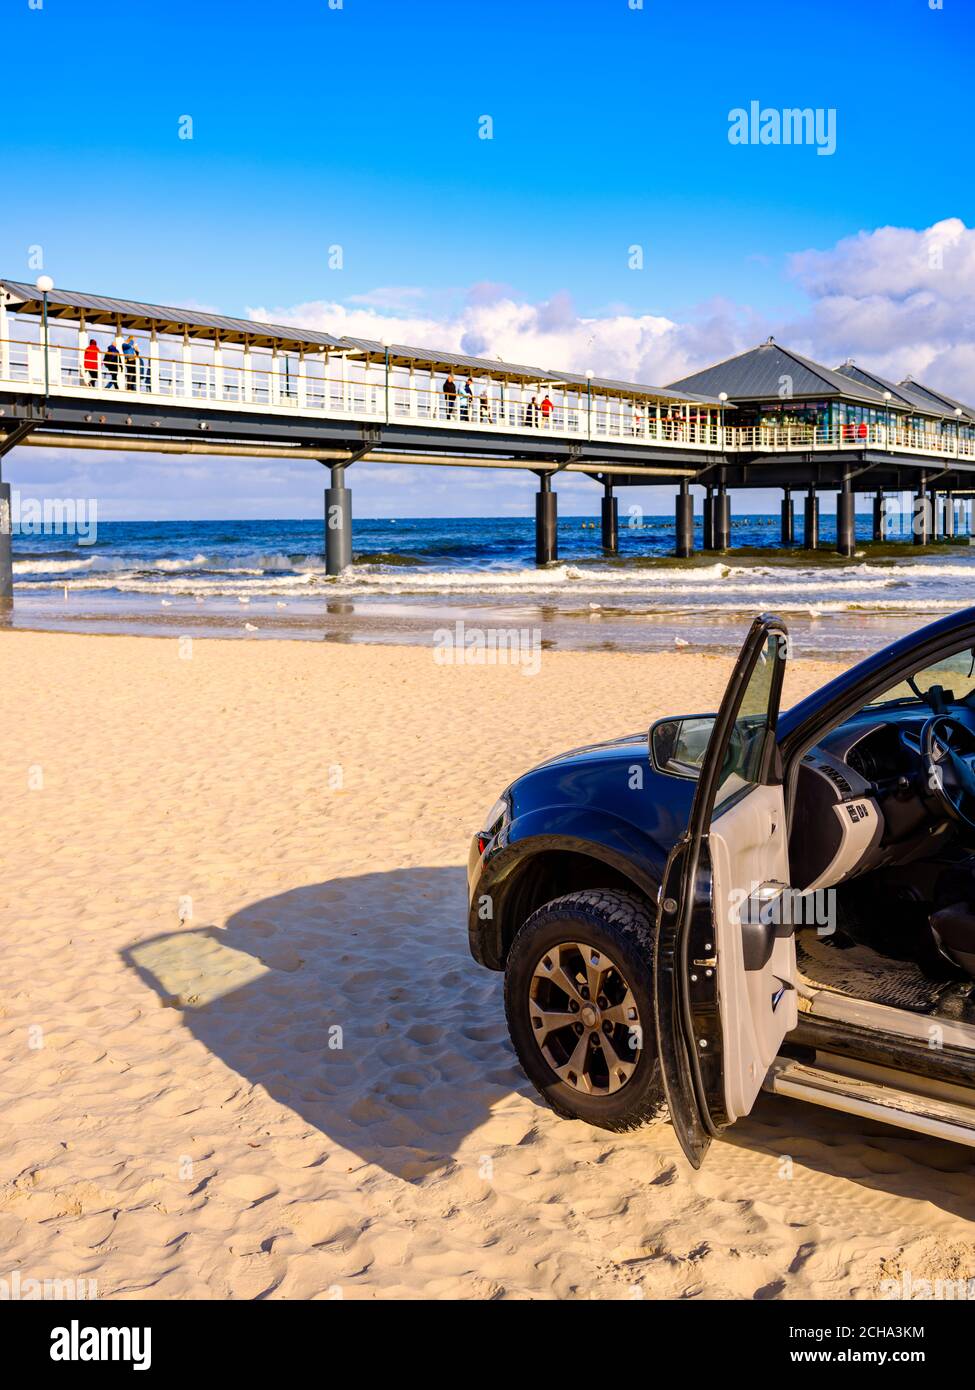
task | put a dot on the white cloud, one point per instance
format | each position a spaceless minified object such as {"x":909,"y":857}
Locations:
{"x":896,"y":299}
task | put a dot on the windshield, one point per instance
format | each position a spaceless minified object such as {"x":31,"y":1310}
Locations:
{"x":949,"y":681}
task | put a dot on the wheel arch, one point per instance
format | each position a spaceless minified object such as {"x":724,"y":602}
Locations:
{"x":534,"y":870}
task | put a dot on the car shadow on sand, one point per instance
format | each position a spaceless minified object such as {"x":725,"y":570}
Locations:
{"x":356,"y":1003}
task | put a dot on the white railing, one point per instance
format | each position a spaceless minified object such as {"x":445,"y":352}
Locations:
{"x":262,"y":382}
{"x":293,"y":383}
{"x":893,"y":438}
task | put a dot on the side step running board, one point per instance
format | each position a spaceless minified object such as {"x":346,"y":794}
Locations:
{"x":939,"y":1118}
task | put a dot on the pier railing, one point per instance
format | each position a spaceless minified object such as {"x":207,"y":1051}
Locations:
{"x":328,"y":388}
{"x":338,"y":386}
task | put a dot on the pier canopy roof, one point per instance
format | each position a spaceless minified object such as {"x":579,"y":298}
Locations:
{"x":132,"y":315}
{"x":756,"y":375}
{"x":938,"y":400}
{"x":499,"y":370}
{"x":904,"y":394}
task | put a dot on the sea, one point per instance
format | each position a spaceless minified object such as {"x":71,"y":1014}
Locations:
{"x":259,"y":580}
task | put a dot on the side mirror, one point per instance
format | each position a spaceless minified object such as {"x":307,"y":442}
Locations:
{"x":677,"y":746}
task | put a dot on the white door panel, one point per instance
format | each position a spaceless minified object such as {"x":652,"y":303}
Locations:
{"x":749,"y":847}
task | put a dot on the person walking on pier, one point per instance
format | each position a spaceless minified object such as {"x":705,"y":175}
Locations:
{"x":450,"y":395}
{"x":547,"y":408}
{"x":131,"y":354}
{"x":468,"y":407}
{"x":91,"y":362}
{"x":531,"y":413}
{"x":111,"y":361}
{"x":485,"y":403}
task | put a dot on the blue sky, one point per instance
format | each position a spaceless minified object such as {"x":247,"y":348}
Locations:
{"x":359,"y":126}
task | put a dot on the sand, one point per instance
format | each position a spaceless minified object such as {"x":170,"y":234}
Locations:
{"x":244,"y":1051}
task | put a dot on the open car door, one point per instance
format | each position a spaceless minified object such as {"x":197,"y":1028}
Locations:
{"x":725,"y":963}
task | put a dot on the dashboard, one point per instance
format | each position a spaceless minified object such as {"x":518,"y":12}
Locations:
{"x":861,"y":798}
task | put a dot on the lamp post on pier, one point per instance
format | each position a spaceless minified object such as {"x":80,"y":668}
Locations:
{"x":589,"y":376}
{"x":385,"y":347}
{"x":45,"y":284}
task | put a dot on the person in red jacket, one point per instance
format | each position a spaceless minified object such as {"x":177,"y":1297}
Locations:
{"x":91,"y":362}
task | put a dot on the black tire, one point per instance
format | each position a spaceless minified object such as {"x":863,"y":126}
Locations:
{"x":619,"y":925}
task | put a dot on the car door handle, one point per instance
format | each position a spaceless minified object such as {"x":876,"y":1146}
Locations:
{"x":762,"y":923}
{"x":759,"y":906}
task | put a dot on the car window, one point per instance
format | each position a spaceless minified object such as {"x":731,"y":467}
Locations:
{"x":954,"y":674}
{"x":743,"y":761}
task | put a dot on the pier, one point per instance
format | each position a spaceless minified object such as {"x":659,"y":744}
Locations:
{"x":80,"y":370}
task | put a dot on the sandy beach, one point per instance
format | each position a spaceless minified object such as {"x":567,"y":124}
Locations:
{"x":245,"y":1051}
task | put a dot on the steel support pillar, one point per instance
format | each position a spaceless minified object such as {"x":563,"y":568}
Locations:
{"x":546,"y":522}
{"x":707,"y":529}
{"x":684,"y":523}
{"x":921,"y":521}
{"x":935,"y":500}
{"x":949,"y":517}
{"x":879,"y":516}
{"x":788,"y":518}
{"x":846,"y":501}
{"x":722,"y":519}
{"x":6,"y":547}
{"x":810,"y":521}
{"x":338,"y":523}
{"x":610,"y":518}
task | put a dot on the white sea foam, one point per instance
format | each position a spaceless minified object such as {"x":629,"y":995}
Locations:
{"x":904,"y":585}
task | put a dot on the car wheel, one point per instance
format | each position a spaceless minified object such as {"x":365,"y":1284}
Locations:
{"x":578,"y":999}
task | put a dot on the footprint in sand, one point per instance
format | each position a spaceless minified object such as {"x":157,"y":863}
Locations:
{"x":248,"y":1189}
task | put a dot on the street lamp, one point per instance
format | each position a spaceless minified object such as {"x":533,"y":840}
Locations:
{"x":723,"y":398}
{"x":589,"y":376}
{"x":384,"y":343}
{"x":45,"y":284}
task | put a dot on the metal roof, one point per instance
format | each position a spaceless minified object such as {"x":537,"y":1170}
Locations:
{"x":902,"y":396}
{"x":756,"y":375}
{"x":103,"y":309}
{"x":938,"y":399}
{"x":496,"y":367}
{"x":197,"y":323}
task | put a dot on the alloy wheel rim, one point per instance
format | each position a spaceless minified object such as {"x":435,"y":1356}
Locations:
{"x":585,"y":1019}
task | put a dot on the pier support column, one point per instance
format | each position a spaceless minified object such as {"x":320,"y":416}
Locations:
{"x":6,"y":548}
{"x":610,"y":511}
{"x":921,"y":521}
{"x":684,"y":523}
{"x":338,"y":522}
{"x":546,"y":522}
{"x":949,"y":517}
{"x":879,"y":516}
{"x":934,"y":500}
{"x":722,"y":519}
{"x":788,"y":518}
{"x":846,"y":520}
{"x":810,"y":521}
{"x":707,"y":537}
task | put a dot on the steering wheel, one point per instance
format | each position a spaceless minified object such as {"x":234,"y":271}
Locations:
{"x":950,"y":768}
